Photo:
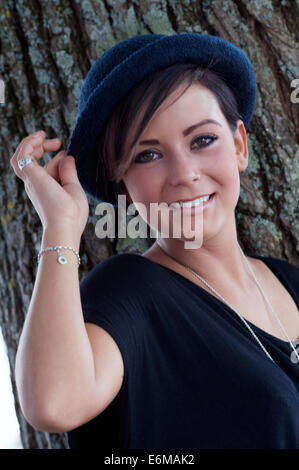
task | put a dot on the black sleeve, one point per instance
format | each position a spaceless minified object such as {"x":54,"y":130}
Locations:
{"x":111,"y":298}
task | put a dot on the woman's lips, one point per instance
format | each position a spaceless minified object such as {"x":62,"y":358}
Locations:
{"x":200,"y":207}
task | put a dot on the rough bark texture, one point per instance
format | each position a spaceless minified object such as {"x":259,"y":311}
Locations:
{"x":46,"y":50}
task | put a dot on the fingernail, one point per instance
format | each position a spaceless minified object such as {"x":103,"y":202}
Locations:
{"x":37,"y":135}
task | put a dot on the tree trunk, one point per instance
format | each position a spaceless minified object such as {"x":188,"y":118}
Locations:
{"x":46,"y":50}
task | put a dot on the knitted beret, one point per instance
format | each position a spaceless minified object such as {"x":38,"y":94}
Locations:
{"x":125,"y":65}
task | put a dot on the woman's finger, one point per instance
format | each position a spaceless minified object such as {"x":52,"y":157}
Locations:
{"x":29,"y":144}
{"x":48,"y":145}
{"x":23,"y":166}
{"x":52,"y":167}
{"x":34,"y":147}
{"x":36,"y":144}
{"x":51,"y":144}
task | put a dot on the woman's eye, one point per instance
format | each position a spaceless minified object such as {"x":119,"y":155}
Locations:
{"x":143,"y":156}
{"x":147,"y":156}
{"x":205,"y":139}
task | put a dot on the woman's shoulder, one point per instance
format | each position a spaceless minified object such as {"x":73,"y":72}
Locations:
{"x":287,"y":272}
{"x":128,"y":262}
{"x":123,"y":270}
{"x":278,"y":263}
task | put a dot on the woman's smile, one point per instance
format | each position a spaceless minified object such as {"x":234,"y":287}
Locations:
{"x":194,"y":206}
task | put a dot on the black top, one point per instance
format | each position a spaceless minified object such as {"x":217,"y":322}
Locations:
{"x":194,"y":375}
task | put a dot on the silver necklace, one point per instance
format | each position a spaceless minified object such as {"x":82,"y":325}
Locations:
{"x":220,"y":296}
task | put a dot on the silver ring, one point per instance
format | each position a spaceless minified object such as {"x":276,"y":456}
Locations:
{"x":24,"y":161}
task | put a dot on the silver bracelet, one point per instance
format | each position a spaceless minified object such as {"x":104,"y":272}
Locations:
{"x":61,"y":259}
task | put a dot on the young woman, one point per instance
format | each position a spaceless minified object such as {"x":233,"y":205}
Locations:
{"x":174,"y":348}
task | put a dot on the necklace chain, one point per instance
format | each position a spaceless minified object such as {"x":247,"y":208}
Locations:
{"x":225,"y":301}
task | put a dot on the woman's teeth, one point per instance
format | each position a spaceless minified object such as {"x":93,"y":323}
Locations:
{"x":194,"y":203}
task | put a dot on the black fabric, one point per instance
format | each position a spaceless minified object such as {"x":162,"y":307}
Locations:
{"x":194,"y":376}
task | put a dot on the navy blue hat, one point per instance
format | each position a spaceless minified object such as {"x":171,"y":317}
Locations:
{"x":124,"y":66}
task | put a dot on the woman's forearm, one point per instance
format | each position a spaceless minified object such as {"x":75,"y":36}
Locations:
{"x":54,"y":364}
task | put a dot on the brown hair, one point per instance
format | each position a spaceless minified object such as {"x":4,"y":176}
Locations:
{"x":132,"y":114}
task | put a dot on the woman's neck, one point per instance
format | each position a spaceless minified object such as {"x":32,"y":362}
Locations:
{"x":216,"y":261}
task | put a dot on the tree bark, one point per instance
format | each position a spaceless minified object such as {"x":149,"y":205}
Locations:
{"x":46,"y":50}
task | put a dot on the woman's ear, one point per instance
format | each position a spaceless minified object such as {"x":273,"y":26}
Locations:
{"x":240,"y":138}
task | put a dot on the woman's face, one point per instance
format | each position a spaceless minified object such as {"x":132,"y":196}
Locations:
{"x":187,"y":165}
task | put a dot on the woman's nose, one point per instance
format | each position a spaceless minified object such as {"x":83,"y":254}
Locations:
{"x":183,"y":171}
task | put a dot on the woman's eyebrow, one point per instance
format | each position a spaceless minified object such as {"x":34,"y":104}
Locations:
{"x":185,"y":132}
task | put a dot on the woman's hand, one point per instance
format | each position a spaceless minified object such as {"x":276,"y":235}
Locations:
{"x":54,"y":189}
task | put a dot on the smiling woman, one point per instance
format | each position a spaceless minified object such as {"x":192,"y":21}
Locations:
{"x":185,"y":170}
{"x":175,"y":348}
{"x":176,"y":135}
{"x":132,"y":115}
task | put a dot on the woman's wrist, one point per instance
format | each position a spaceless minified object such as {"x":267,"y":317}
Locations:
{"x":60,"y":235}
